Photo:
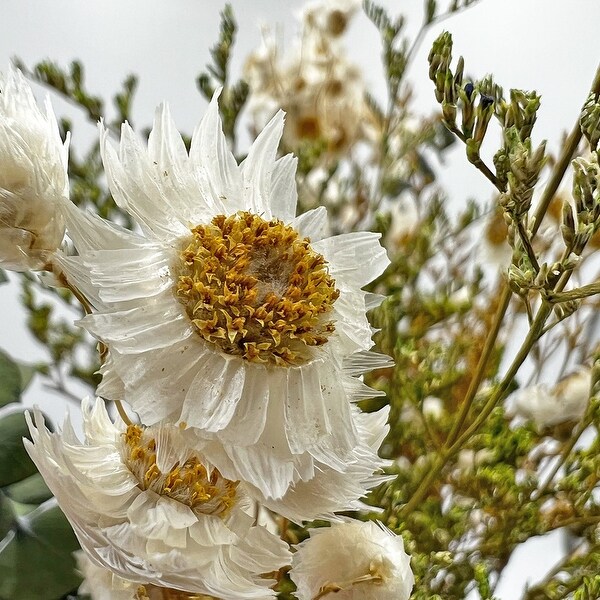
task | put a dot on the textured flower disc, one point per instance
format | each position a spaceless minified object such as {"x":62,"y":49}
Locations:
{"x":256,"y":289}
{"x":189,"y":483}
{"x":158,"y":593}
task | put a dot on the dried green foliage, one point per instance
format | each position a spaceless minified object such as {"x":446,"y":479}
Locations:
{"x":234,"y":95}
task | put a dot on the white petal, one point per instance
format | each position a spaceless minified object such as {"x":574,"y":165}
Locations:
{"x":257,"y":168}
{"x":129,"y":274}
{"x":284,"y":193}
{"x":140,"y":329}
{"x":251,"y":415}
{"x":135,"y":185}
{"x":361,"y":362}
{"x":155,"y":517}
{"x":165,"y":145}
{"x":312,"y":224}
{"x":354,"y":258}
{"x":218,"y":172}
{"x":214,"y":393}
{"x":90,"y":232}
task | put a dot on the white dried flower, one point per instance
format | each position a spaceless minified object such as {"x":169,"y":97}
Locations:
{"x":321,"y":91}
{"x":144,"y":505}
{"x":228,"y":314}
{"x":353,"y":561}
{"x":33,"y":176}
{"x":547,"y":406}
{"x":433,"y":408}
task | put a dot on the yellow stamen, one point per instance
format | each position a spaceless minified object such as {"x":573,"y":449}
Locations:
{"x":190,"y":483}
{"x":256,"y":289}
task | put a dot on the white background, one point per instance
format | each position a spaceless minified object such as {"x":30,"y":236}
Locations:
{"x":551,"y":46}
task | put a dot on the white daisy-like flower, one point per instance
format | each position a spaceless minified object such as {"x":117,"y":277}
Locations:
{"x":352,"y":561}
{"x":144,"y":505}
{"x":229,"y":314}
{"x":33,"y":176}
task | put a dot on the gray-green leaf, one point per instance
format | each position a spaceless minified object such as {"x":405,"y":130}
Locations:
{"x":10,"y":380}
{"x":15,"y":463}
{"x":36,"y":556}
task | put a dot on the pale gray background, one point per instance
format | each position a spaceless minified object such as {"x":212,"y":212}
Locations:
{"x":552,"y":46}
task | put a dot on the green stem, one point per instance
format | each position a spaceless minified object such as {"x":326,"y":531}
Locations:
{"x":455,"y":442}
{"x":488,"y":348}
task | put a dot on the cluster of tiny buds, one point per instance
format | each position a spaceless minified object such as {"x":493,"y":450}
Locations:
{"x":577,"y":229}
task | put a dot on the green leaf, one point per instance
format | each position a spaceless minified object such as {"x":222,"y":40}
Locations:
{"x":7,"y":516}
{"x":32,"y":490}
{"x":3,"y":277}
{"x":36,"y":556}
{"x":10,"y":380}
{"x":27,"y":373}
{"x":15,"y":463}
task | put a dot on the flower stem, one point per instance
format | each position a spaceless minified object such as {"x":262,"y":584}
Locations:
{"x":122,"y":412}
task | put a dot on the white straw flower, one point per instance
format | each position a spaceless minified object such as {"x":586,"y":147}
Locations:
{"x":547,"y":406}
{"x":352,"y":561}
{"x":145,"y":506}
{"x":321,"y":91}
{"x":229,"y":314}
{"x":33,"y":176}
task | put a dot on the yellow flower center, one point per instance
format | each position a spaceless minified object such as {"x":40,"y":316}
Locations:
{"x":188,"y":482}
{"x":256,"y":289}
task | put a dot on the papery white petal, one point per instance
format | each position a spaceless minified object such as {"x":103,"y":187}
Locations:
{"x":284,"y":195}
{"x":329,"y":491}
{"x":33,"y":177}
{"x":219,"y":177}
{"x":145,"y":536}
{"x":257,"y":169}
{"x":137,"y":185}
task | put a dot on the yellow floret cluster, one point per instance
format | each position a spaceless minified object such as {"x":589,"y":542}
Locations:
{"x":256,"y":289}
